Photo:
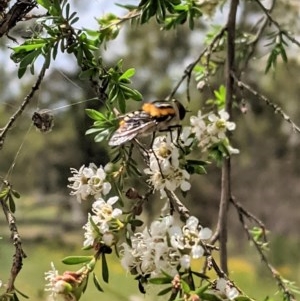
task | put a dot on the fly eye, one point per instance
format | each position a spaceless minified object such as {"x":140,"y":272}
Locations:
{"x":43,"y":120}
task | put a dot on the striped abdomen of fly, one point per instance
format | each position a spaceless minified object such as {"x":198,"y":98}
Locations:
{"x":155,"y":116}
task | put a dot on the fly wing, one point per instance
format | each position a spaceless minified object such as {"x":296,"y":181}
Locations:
{"x":132,"y":125}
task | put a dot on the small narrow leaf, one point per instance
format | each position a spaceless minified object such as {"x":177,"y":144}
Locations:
{"x":136,"y":222}
{"x":11,"y":204}
{"x":70,"y":260}
{"x":97,"y":284}
{"x":185,"y":286}
{"x":242,"y":298}
{"x":165,"y":291}
{"x":22,"y":294}
{"x":210,"y":297}
{"x":105,"y":273}
{"x":95,"y":115}
{"x":159,"y":280}
{"x":200,"y":275}
{"x":45,"y":3}
{"x":202,"y":289}
{"x":4,"y":193}
{"x":127,"y":74}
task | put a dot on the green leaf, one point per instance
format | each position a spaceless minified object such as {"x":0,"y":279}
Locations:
{"x":30,"y":47}
{"x":202,"y":289}
{"x":21,"y":72}
{"x":22,"y":294}
{"x":197,"y":162}
{"x":136,"y":222}
{"x":94,"y":114}
{"x":242,"y":298}
{"x":92,"y":131}
{"x":45,"y":3}
{"x":167,"y":275}
{"x":130,"y":93}
{"x":15,"y":193}
{"x":127,"y":74}
{"x":210,"y":297}
{"x":160,"y":280}
{"x":14,"y":297}
{"x":105,"y":273}
{"x":196,"y":167}
{"x":11,"y":204}
{"x":27,"y":60}
{"x":283,"y":53}
{"x":200,"y":275}
{"x":165,"y":291}
{"x":71,"y":260}
{"x":121,"y":102}
{"x":185,"y":286}
{"x":102,"y":135}
{"x":97,"y":284}
{"x":4,"y":193}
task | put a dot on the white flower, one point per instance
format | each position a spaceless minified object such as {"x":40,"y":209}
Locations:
{"x":108,"y":239}
{"x":97,"y":184}
{"x":128,"y":260}
{"x":192,"y":223}
{"x":98,"y":226}
{"x":165,"y":150}
{"x":197,"y":252}
{"x":164,"y":246}
{"x":185,"y":261}
{"x":149,"y":252}
{"x":55,"y":285}
{"x":187,"y":239}
{"x":104,"y":210}
{"x":227,"y":288}
{"x":198,"y":125}
{"x":232,"y":151}
{"x":168,"y":177}
{"x":219,"y":125}
{"x":185,"y":138}
{"x":88,"y":182}
{"x":221,"y":285}
{"x":232,"y":293}
{"x":160,"y":228}
{"x":205,"y":233}
{"x":91,"y":233}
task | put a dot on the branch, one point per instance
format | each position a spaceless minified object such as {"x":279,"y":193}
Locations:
{"x":26,"y":101}
{"x":276,"y":24}
{"x":226,"y":168}
{"x":15,"y":14}
{"x":189,"y":69}
{"x":276,"y":108}
{"x":276,"y":275}
{"x":177,"y":205}
{"x":19,"y":253}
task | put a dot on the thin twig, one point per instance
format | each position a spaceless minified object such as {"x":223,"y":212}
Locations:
{"x":280,"y":282}
{"x":19,"y":253}
{"x":254,"y":41}
{"x":246,"y":213}
{"x":276,"y":24}
{"x":189,"y":69}
{"x":129,"y":16}
{"x":177,"y":204}
{"x":16,"y":13}
{"x":22,"y":107}
{"x":276,"y":108}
